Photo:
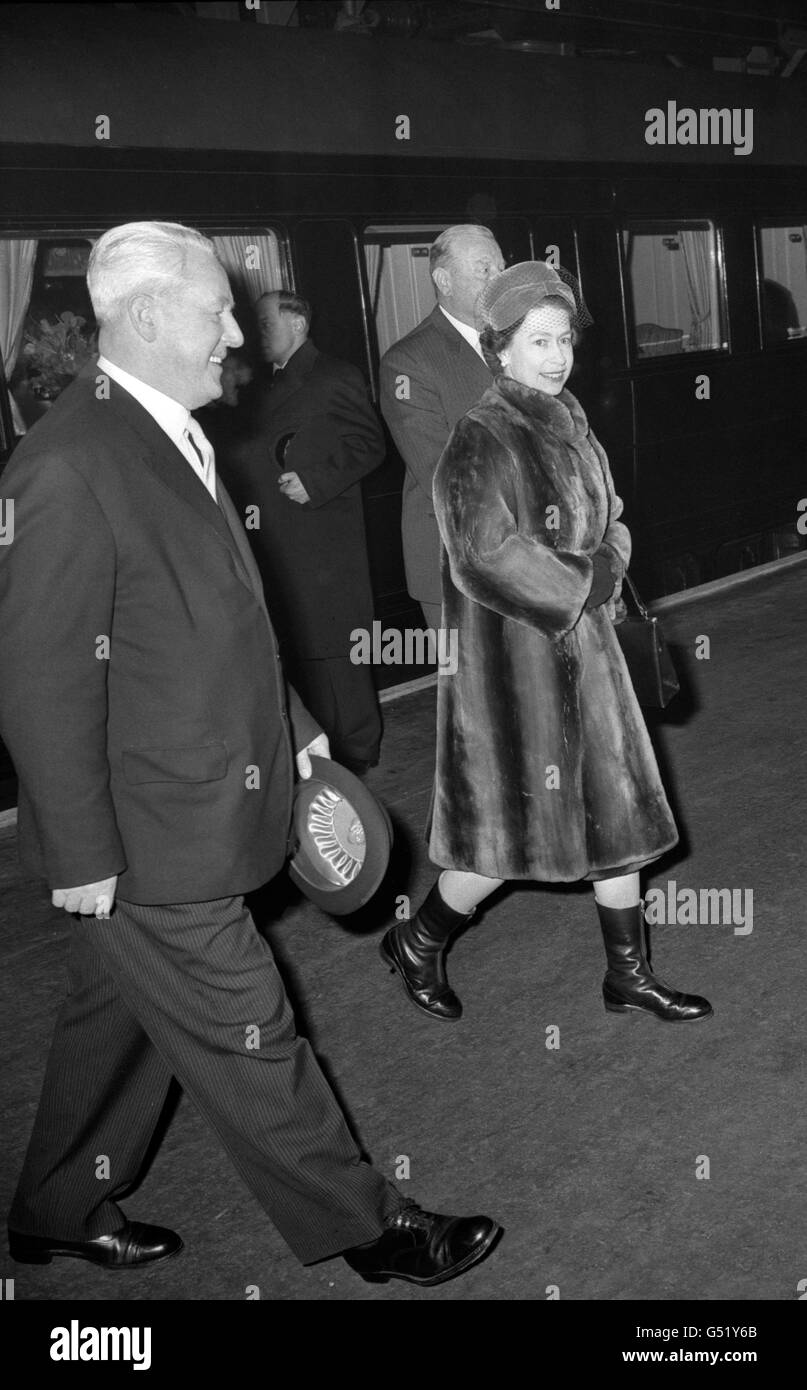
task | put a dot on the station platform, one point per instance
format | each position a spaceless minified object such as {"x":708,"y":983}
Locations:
{"x":634,"y":1161}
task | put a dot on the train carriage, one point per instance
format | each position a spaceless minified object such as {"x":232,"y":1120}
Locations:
{"x":693,"y":260}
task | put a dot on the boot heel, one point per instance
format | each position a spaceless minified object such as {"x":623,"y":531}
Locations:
{"x":615,"y":1005}
{"x":375,"y":1278}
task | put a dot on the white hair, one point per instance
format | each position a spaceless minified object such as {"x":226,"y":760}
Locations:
{"x":443,"y":251}
{"x":139,"y":258}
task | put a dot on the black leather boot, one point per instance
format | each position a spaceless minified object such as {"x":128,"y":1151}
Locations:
{"x":415,"y":949}
{"x":629,"y":983}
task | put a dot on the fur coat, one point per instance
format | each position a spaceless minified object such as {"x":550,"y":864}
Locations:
{"x":544,"y":765}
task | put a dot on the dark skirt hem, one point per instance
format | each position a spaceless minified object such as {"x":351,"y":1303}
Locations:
{"x":592,"y":876}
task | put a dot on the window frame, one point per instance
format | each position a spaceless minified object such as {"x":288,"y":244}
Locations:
{"x":769,"y":224}
{"x":659,"y":226}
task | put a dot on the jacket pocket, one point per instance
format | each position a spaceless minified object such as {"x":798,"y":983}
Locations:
{"x":206,"y":762}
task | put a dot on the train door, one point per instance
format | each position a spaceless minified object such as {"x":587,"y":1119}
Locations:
{"x":329,"y":273}
{"x":326,"y":264}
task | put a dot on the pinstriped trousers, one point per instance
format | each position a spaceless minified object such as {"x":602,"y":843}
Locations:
{"x":190,"y":990}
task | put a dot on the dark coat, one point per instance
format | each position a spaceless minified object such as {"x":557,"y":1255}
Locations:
{"x":541,"y":683}
{"x":137,"y":765}
{"x":316,"y":421}
{"x":428,"y":381}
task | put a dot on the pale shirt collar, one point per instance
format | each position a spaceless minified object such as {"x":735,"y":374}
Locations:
{"x":170,"y":415}
{"x":468,"y":333}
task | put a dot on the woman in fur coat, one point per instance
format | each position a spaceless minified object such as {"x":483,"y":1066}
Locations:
{"x":544,"y":765}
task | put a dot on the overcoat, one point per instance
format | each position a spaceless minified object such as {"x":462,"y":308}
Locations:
{"x":316,"y":421}
{"x":544,"y":765}
{"x":428,"y":380}
{"x":142,"y":700}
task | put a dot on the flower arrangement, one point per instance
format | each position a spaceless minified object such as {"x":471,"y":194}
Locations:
{"x":54,"y":351}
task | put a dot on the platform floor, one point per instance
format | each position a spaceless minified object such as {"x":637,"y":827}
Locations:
{"x":589,"y":1154}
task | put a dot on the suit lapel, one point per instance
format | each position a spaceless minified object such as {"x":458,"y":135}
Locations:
{"x":459,"y":346}
{"x":241,"y":543}
{"x":166,"y":462}
{"x":162,"y":458}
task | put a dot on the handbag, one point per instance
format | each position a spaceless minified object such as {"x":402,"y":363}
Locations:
{"x":646,"y":654}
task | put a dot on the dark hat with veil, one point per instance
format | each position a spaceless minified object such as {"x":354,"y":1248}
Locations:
{"x":507,"y":297}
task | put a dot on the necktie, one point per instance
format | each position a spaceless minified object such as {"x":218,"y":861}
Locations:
{"x":203,"y":449}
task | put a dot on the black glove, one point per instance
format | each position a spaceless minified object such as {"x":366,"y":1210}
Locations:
{"x":603,"y":582}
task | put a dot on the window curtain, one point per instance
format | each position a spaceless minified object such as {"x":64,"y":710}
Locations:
{"x":252,"y":262}
{"x":16,"y":278}
{"x":697,"y":264}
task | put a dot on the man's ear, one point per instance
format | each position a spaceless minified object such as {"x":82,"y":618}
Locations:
{"x":300,"y":325}
{"x":140,"y":311}
{"x":442,"y":280}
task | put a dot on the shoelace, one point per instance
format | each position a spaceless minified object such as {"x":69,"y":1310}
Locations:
{"x":413,"y":1218}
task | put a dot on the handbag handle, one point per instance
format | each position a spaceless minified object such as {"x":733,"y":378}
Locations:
{"x":643,"y":613}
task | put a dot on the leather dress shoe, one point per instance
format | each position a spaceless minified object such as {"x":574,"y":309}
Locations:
{"x":133,"y":1245}
{"x":424,"y":1248}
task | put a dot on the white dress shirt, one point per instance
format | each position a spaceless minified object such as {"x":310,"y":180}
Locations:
{"x":173,"y":418}
{"x":469,"y":334}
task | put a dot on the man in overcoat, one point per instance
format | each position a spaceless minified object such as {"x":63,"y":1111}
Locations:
{"x":428,"y":381}
{"x":312,"y":437}
{"x":145,"y":709}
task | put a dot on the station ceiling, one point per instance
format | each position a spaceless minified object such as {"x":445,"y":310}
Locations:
{"x":758,"y":37}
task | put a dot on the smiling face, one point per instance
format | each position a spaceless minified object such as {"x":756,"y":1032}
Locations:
{"x":540,"y":353}
{"x":194,"y":328}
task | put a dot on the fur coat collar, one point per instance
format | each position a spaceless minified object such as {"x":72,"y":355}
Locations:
{"x":562,"y":415}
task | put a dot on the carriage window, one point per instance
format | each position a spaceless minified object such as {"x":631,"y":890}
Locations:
{"x":398,"y":277}
{"x":675,"y":288}
{"x":47,"y":327}
{"x":783,"y":258}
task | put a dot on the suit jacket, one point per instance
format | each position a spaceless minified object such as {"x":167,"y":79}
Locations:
{"x":164,"y":757}
{"x":444,"y":378}
{"x":316,"y":420}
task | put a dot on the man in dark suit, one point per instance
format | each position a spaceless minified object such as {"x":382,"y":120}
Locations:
{"x":312,"y":436}
{"x":428,"y":381}
{"x":145,"y":709}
